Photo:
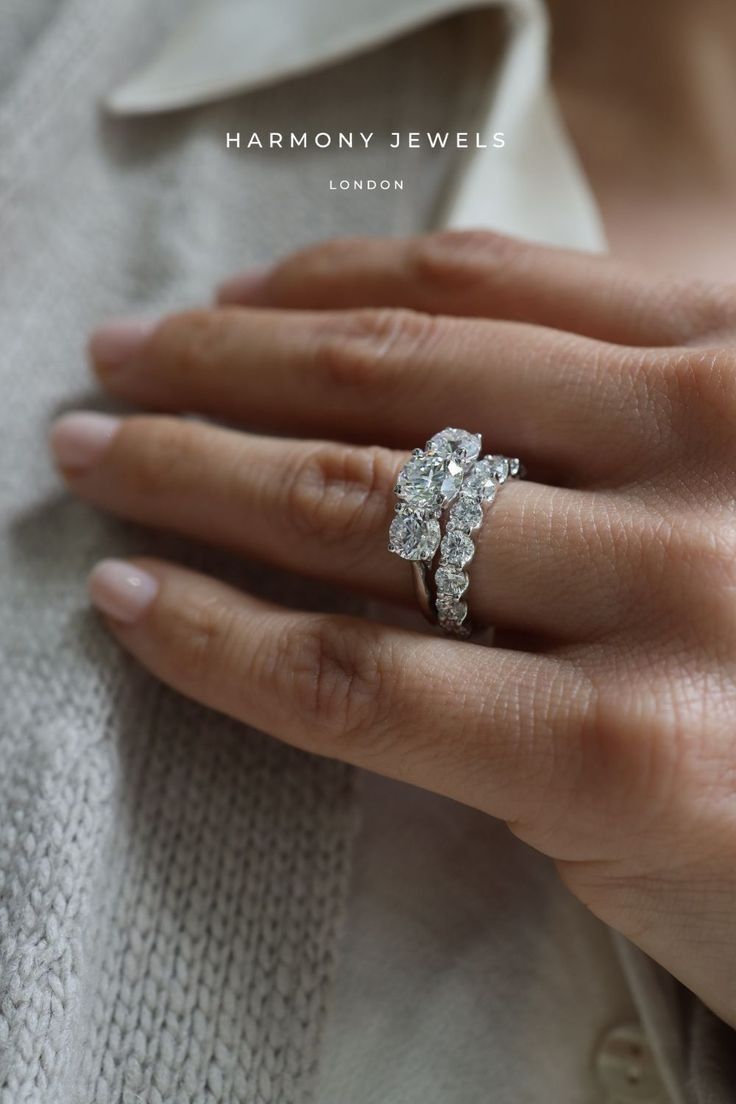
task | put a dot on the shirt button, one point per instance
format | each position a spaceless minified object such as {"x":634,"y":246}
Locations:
{"x":626,"y":1069}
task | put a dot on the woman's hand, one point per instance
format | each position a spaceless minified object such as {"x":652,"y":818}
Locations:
{"x":604,"y":733}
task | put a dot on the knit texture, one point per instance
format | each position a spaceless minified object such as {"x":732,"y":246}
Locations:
{"x":171,"y":883}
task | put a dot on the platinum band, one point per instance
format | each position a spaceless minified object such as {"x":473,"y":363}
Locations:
{"x":423,"y":589}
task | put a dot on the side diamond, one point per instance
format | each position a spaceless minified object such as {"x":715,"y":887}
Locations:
{"x":499,"y":467}
{"x":482,"y":480}
{"x":467,"y":513}
{"x":413,"y":536}
{"x":457,"y":548}
{"x":451,"y":581}
{"x":452,"y":609}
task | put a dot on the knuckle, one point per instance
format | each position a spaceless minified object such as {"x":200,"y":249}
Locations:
{"x":556,"y":737}
{"x":369,"y":349}
{"x":655,"y":569}
{"x":320,"y":258}
{"x":699,"y":389}
{"x":156,"y":452}
{"x":454,"y":261}
{"x":339,"y":682}
{"x":629,"y":750}
{"x":685,"y":568}
{"x":705,"y":309}
{"x":711,"y":548}
{"x":659,"y":732}
{"x":190,"y":338}
{"x":198,"y":640}
{"x":704,"y":562}
{"x":338,"y":494}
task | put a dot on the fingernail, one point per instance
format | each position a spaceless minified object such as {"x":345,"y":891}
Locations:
{"x":118,"y":340}
{"x":121,"y":590}
{"x":245,"y":287}
{"x":79,"y":439}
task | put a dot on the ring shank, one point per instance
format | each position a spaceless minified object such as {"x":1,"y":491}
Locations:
{"x":421,"y":575}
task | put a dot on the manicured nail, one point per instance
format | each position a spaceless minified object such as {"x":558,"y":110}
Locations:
{"x":121,"y":590}
{"x":119,"y":339}
{"x":78,"y":439}
{"x":245,"y":287}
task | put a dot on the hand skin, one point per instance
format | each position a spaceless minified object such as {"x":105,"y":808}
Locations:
{"x":647,"y":93}
{"x":602,"y":727}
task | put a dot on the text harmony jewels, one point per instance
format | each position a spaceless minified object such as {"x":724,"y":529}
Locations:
{"x":411,"y":139}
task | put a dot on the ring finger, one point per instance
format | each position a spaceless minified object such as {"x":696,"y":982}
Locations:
{"x":323,"y":509}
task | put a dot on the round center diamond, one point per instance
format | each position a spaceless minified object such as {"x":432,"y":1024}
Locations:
{"x":414,"y":537}
{"x":429,"y":480}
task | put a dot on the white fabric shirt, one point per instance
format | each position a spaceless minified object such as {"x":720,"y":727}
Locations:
{"x":468,"y":972}
{"x":536,"y":190}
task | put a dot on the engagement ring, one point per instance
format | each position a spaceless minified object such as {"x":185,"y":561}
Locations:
{"x":447,"y":473}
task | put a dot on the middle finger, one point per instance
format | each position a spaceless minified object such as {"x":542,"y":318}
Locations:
{"x":563,"y":402}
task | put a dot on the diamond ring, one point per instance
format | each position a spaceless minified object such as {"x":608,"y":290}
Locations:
{"x":427,"y":484}
{"x":446,"y":471}
{"x":457,"y":546}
